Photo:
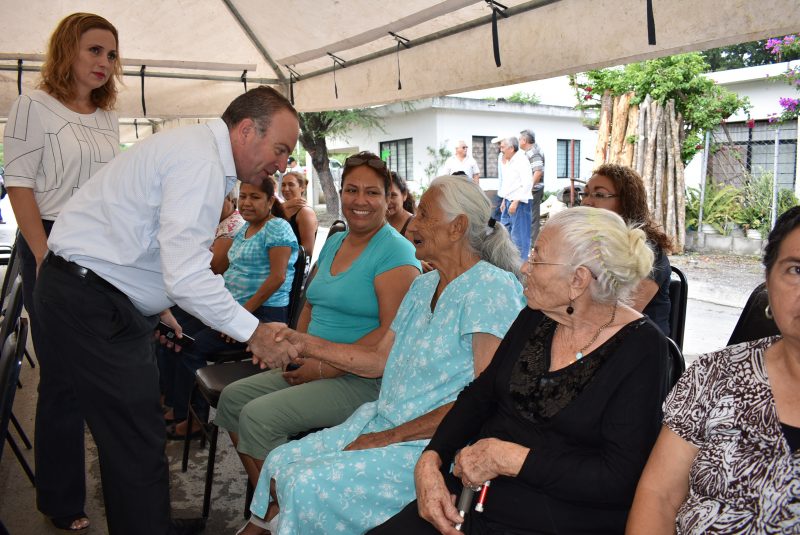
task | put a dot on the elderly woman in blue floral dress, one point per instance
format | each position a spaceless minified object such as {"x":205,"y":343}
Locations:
{"x":352,"y":477}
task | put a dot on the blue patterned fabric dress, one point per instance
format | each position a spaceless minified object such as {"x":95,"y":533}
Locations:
{"x":322,"y":489}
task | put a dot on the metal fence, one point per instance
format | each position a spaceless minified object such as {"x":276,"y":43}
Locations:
{"x":743,"y":150}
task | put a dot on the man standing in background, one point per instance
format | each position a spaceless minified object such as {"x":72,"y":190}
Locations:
{"x":527,"y":142}
{"x":515,"y":190}
{"x":462,"y":162}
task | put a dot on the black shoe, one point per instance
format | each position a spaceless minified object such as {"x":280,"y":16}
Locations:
{"x":187,"y":526}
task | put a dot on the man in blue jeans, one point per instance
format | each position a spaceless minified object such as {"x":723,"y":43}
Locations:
{"x":515,"y":190}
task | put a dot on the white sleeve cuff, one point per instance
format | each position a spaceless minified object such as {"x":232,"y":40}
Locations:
{"x":242,"y":326}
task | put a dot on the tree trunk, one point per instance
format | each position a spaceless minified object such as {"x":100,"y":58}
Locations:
{"x":313,"y":128}
{"x":619,"y":123}
{"x":648,"y":173}
{"x":669,"y":123}
{"x":628,"y":148}
{"x":658,"y":182}
{"x":319,"y":159}
{"x":603,"y":129}
{"x":680,"y":186}
{"x":641,"y":135}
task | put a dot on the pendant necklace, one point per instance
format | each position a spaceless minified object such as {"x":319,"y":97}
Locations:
{"x":579,"y":355}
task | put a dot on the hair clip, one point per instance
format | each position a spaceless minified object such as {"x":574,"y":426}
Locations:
{"x":490,"y":226}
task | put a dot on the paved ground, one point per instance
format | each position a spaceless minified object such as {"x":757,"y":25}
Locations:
{"x":718,"y":287}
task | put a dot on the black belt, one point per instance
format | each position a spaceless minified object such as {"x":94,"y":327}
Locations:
{"x":79,"y":271}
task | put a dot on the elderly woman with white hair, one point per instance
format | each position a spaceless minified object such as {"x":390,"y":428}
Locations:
{"x":352,"y":477}
{"x":563,"y":419}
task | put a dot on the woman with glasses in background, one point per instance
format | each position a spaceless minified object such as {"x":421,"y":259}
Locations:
{"x":361,"y":277}
{"x":562,"y":420}
{"x":621,"y":190}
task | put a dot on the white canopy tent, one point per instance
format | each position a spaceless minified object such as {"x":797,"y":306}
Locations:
{"x":195,"y":52}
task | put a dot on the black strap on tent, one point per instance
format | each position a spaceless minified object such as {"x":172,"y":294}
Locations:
{"x":341,"y":63}
{"x":497,"y":8}
{"x":406,"y":43}
{"x":136,"y":127}
{"x":144,"y":105}
{"x":651,"y":24}
{"x":293,"y":76}
{"x":244,"y":79}
{"x":19,"y":76}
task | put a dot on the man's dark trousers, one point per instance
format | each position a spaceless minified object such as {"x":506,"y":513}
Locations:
{"x":107,"y":359}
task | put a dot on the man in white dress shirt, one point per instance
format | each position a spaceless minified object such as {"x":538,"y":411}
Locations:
{"x":515,"y":190}
{"x":130,"y":244}
{"x":461,"y":161}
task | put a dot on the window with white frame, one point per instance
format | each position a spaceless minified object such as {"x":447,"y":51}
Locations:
{"x":399,"y":156}
{"x":568,"y":158}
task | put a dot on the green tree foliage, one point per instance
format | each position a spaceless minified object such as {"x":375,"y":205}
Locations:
{"x":519,"y":97}
{"x":744,"y":55}
{"x":316,"y":127}
{"x":522,"y":97}
{"x":702,"y":103}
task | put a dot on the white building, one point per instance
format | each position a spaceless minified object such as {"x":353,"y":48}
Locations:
{"x":742,"y":147}
{"x":411,"y":129}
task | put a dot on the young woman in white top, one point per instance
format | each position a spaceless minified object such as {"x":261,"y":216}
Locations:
{"x":56,"y":138}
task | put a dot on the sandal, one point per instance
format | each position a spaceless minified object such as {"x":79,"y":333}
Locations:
{"x":260,"y":523}
{"x":66,"y":522}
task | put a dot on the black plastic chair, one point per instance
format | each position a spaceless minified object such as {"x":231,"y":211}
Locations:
{"x":675,"y":366}
{"x":753,"y":323}
{"x":12,"y":273}
{"x":678,"y":298}
{"x":10,"y":362}
{"x":336,"y":226}
{"x":211,"y":380}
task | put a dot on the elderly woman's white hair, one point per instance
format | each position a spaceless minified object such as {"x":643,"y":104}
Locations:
{"x":490,"y":241}
{"x":617,"y":254}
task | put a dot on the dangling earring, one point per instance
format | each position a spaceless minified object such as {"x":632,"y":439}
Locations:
{"x":570,"y":308}
{"x":768,"y":312}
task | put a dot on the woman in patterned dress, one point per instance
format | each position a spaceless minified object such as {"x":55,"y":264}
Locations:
{"x":562,"y":420}
{"x":728,"y":456}
{"x":350,"y":478}
{"x":57,"y":137}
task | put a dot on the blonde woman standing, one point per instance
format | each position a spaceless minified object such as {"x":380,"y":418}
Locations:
{"x":56,"y":138}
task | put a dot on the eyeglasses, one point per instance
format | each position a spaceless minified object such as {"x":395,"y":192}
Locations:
{"x":600,"y":195}
{"x":534,"y":262}
{"x":369,"y":159}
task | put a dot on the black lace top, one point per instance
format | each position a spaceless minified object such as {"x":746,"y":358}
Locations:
{"x":588,"y":427}
{"x":540,"y":394}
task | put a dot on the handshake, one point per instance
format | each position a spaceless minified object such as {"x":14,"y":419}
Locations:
{"x":274,"y":345}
